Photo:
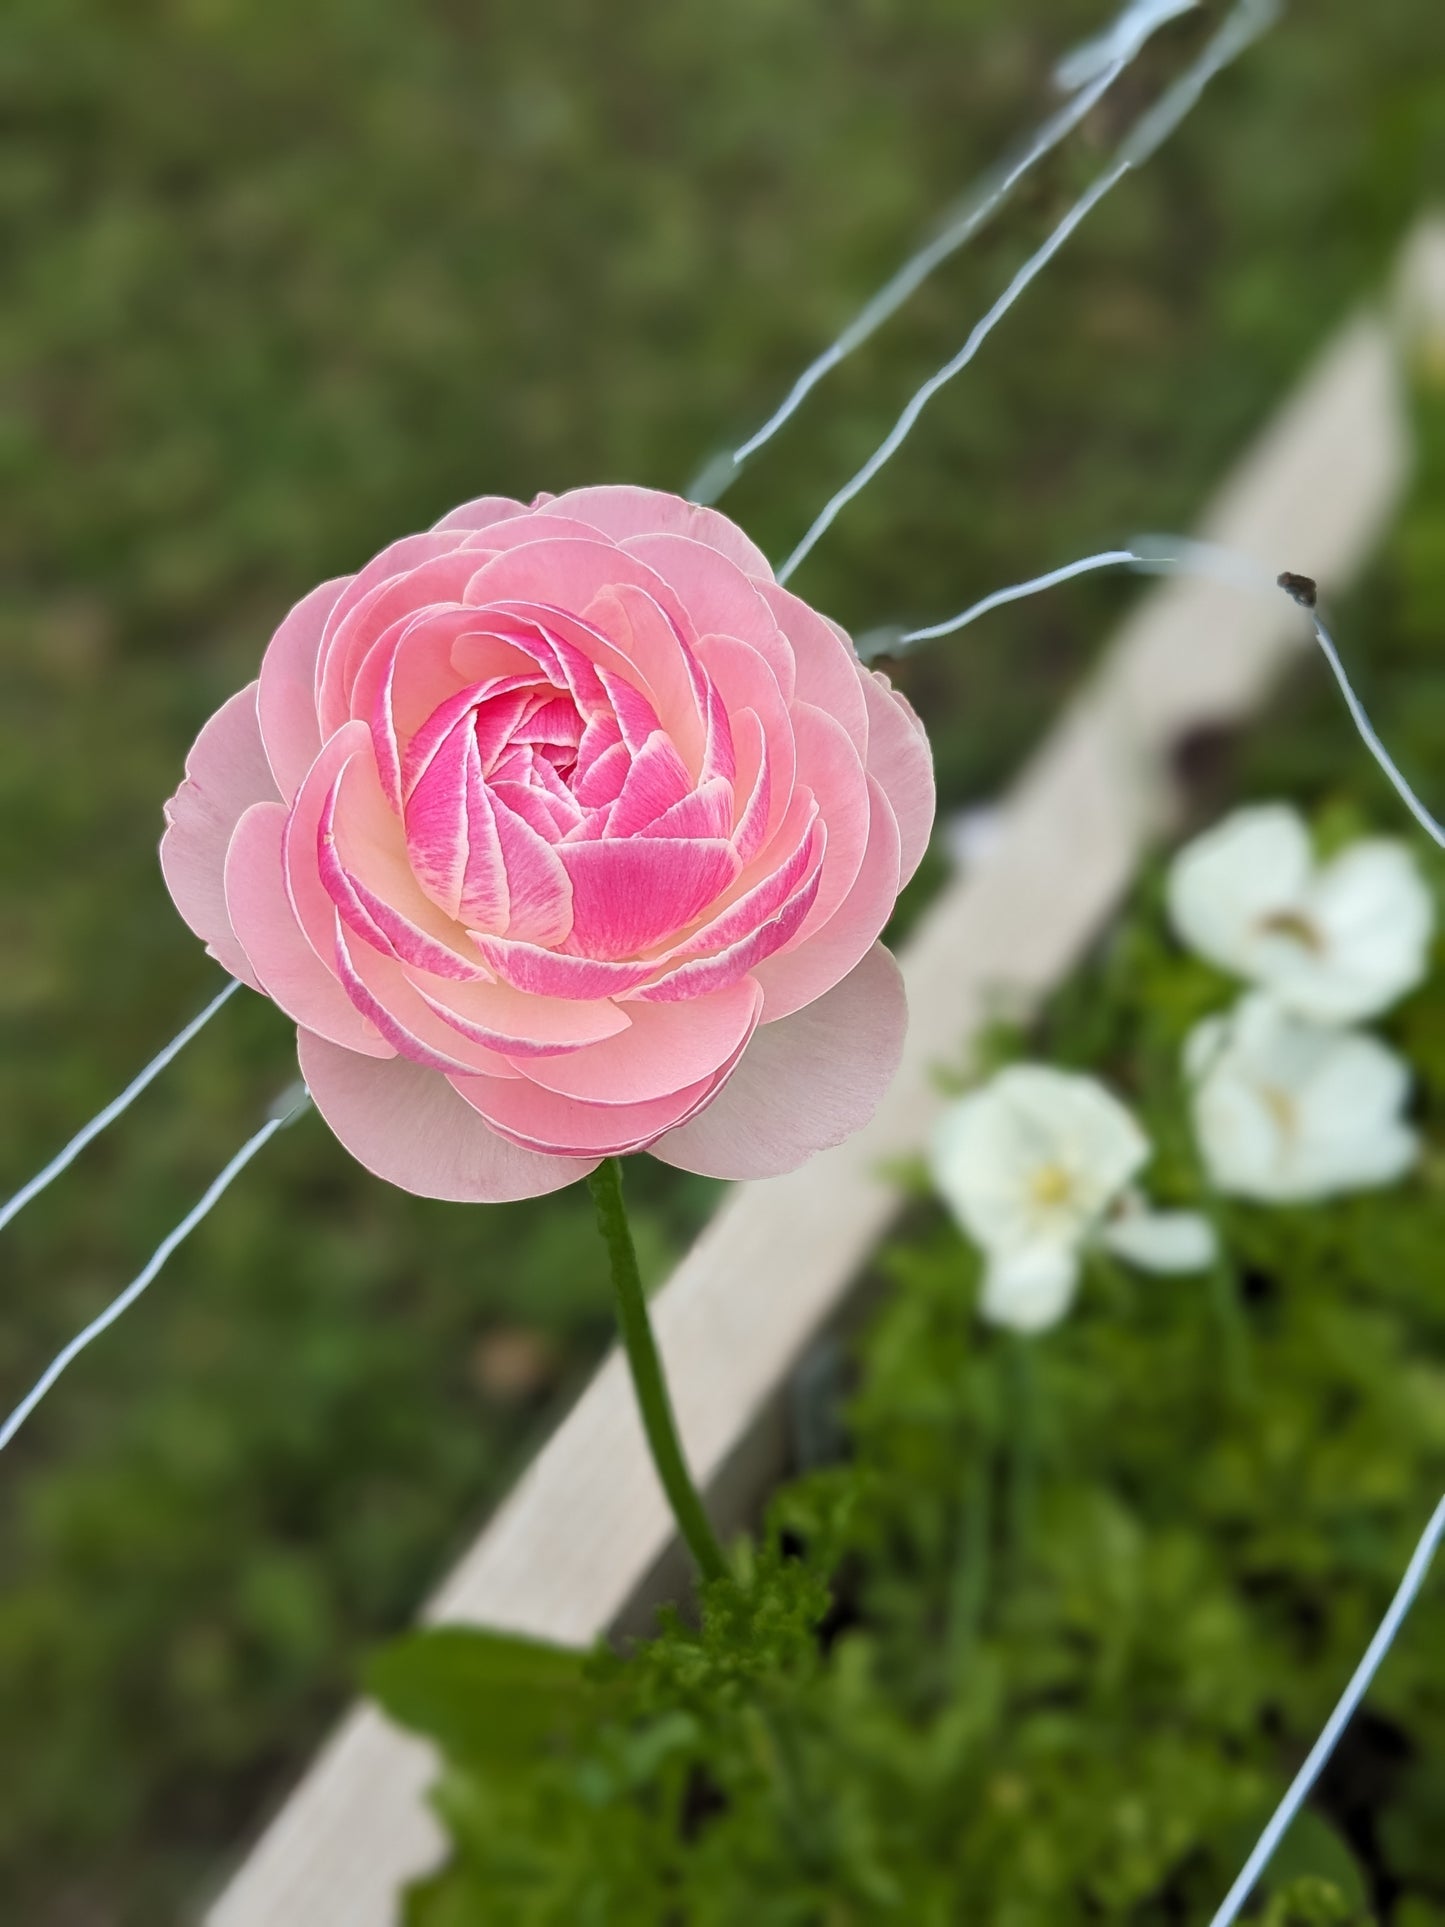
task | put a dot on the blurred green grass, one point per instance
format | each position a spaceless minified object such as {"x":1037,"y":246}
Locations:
{"x":286,"y":283}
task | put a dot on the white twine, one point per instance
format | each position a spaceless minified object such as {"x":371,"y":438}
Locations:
{"x":290,"y":1105}
{"x":1325,"y":1745}
{"x":1249,"y":19}
{"x":1152,"y":554}
{"x":1165,"y":555}
{"x":63,"y":1159}
{"x":1369,"y":737}
{"x":1087,"y":74}
{"x":1120,"y":41}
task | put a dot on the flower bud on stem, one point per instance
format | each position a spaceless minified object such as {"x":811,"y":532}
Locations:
{"x":605,"y":1184}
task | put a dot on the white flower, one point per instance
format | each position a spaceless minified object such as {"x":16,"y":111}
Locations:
{"x":1333,"y":941}
{"x":1287,"y":1111}
{"x":1032,"y":1166}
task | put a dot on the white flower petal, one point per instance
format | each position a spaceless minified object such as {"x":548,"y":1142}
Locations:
{"x":1377,"y":918}
{"x":1335,"y":942}
{"x":1227,"y":883}
{"x":1289,"y":1111}
{"x":1166,"y":1241}
{"x":1030,"y":1290}
{"x":1203,"y":1045}
{"x":1035,"y":1157}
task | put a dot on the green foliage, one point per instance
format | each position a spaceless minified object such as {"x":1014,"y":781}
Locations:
{"x":1040,"y":1652}
{"x":482,"y":1695}
{"x":1312,"y":1902}
{"x":286,"y":281}
{"x":1046,"y":1647}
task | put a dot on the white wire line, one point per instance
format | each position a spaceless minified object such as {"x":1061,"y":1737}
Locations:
{"x":1369,"y":737}
{"x":1120,"y":40}
{"x":66,"y":1157}
{"x":1154,"y":554}
{"x":1174,"y":554}
{"x":1244,"y":25}
{"x":288,"y":1106}
{"x":1087,"y":74}
{"x":893,"y":641}
{"x":1325,"y":1745}
{"x":900,"y":430}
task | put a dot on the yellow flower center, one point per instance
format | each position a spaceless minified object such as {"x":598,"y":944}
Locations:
{"x":1295,"y":925}
{"x":1281,"y":1107}
{"x":1051,"y":1185}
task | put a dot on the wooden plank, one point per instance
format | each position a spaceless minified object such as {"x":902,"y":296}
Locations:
{"x":585,"y":1533}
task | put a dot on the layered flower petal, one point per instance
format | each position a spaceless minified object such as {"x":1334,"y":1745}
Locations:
{"x":573,"y":819}
{"x":287,"y":967}
{"x":226,"y":772}
{"x":286,"y":696}
{"x":409,"y":1126}
{"x":625,"y":511}
{"x":796,"y":1092}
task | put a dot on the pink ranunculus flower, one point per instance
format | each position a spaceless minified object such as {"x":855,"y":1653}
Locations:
{"x":564,"y":831}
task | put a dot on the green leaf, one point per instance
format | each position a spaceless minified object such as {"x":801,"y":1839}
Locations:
{"x":485,"y":1698}
{"x":1311,"y":1850}
{"x":1312,"y":1902}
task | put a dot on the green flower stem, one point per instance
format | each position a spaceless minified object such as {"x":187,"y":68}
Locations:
{"x":969,"y":1590}
{"x":1021,"y":1416}
{"x":1233,"y":1325}
{"x":1226,"y":1293}
{"x":605,"y":1184}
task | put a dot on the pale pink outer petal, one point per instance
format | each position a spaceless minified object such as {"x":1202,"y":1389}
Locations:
{"x":286,"y":700}
{"x":830,"y":766}
{"x":226,"y":772}
{"x":481,"y":513}
{"x":407,"y":1125}
{"x":793,"y":978}
{"x":667,"y":1048}
{"x":530,"y":526}
{"x":285,"y":962}
{"x":301,"y":864}
{"x":621,"y":510}
{"x":557,"y":1126}
{"x":901,"y":760}
{"x":829,"y":673}
{"x":803,"y":1085}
